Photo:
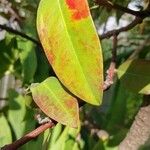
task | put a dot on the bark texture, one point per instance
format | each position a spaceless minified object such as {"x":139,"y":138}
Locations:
{"x":139,"y":132}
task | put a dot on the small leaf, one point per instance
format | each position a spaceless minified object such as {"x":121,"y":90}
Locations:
{"x":63,"y":139}
{"x":60,"y":143}
{"x":56,"y":132}
{"x":5,"y":132}
{"x":72,"y":46}
{"x":8,"y":54}
{"x":55,"y":102}
{"x":20,"y":118}
{"x":135,"y":75}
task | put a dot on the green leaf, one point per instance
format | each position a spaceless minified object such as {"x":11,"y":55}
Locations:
{"x":28,"y":59}
{"x":72,"y":142}
{"x":60,"y":143}
{"x":135,"y":75}
{"x":20,"y":118}
{"x":72,"y":46}
{"x":55,"y":102}
{"x":8,"y":54}
{"x":46,"y":139}
{"x":55,"y":134}
{"x":43,"y":67}
{"x":5,"y":132}
{"x":64,"y":141}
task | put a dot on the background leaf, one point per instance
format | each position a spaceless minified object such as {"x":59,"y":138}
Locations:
{"x":20,"y":117}
{"x":135,"y":75}
{"x":28,"y":59}
{"x":55,"y":102}
{"x":5,"y":132}
{"x":76,"y":59}
{"x":8,"y":54}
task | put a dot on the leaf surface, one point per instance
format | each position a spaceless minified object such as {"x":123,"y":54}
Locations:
{"x":55,"y":102}
{"x":135,"y":75}
{"x":5,"y":132}
{"x":69,"y":39}
{"x":28,"y":59}
{"x":21,"y":119}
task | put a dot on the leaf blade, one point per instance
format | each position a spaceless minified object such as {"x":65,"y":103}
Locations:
{"x":135,"y":75}
{"x":55,"y":102}
{"x":76,"y":59}
{"x":5,"y":132}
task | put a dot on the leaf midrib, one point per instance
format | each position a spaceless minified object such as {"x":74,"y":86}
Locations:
{"x":58,"y":101}
{"x":79,"y":63}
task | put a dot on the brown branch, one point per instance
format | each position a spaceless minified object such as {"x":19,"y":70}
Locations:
{"x":139,"y":132}
{"x":111,"y":71}
{"x":23,"y":35}
{"x":110,"y":5}
{"x":28,"y":137}
{"x":7,"y":5}
{"x":135,"y":22}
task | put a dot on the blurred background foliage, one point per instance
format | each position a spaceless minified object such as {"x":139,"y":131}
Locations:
{"x":23,"y":62}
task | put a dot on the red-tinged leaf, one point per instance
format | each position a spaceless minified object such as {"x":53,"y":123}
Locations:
{"x":55,"y":102}
{"x":72,"y":46}
{"x":135,"y":75}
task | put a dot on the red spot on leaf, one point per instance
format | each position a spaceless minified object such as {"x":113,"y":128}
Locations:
{"x":79,"y":9}
{"x":70,"y":104}
{"x":50,"y":56}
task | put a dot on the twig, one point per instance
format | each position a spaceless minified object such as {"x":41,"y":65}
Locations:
{"x":8,"y":29}
{"x":1,"y":98}
{"x":110,"y":5}
{"x":111,"y":71}
{"x":28,"y":137}
{"x":135,"y":22}
{"x":7,"y":5}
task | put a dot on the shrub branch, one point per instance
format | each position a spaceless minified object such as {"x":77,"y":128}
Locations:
{"x":139,"y":132}
{"x":108,"y":4}
{"x":23,"y":35}
{"x":130,"y":26}
{"x":28,"y":137}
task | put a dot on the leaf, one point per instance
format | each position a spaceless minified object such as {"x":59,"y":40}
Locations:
{"x":72,"y":142}
{"x":72,"y":46}
{"x":20,"y":118}
{"x":46,"y":139}
{"x":55,"y":102}
{"x":8,"y":54}
{"x":64,"y":140}
{"x":135,"y":76}
{"x":60,"y":143}
{"x":55,"y":134}
{"x":5,"y":132}
{"x":28,"y":59}
{"x":43,"y":67}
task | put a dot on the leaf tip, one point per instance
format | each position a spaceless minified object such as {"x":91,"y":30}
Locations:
{"x":79,"y":9}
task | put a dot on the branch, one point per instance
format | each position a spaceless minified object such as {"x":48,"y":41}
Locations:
{"x":28,"y":137}
{"x":111,"y":71}
{"x":108,"y":4}
{"x":139,"y":132}
{"x":8,"y":6}
{"x":23,"y":35}
{"x":135,"y":22}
